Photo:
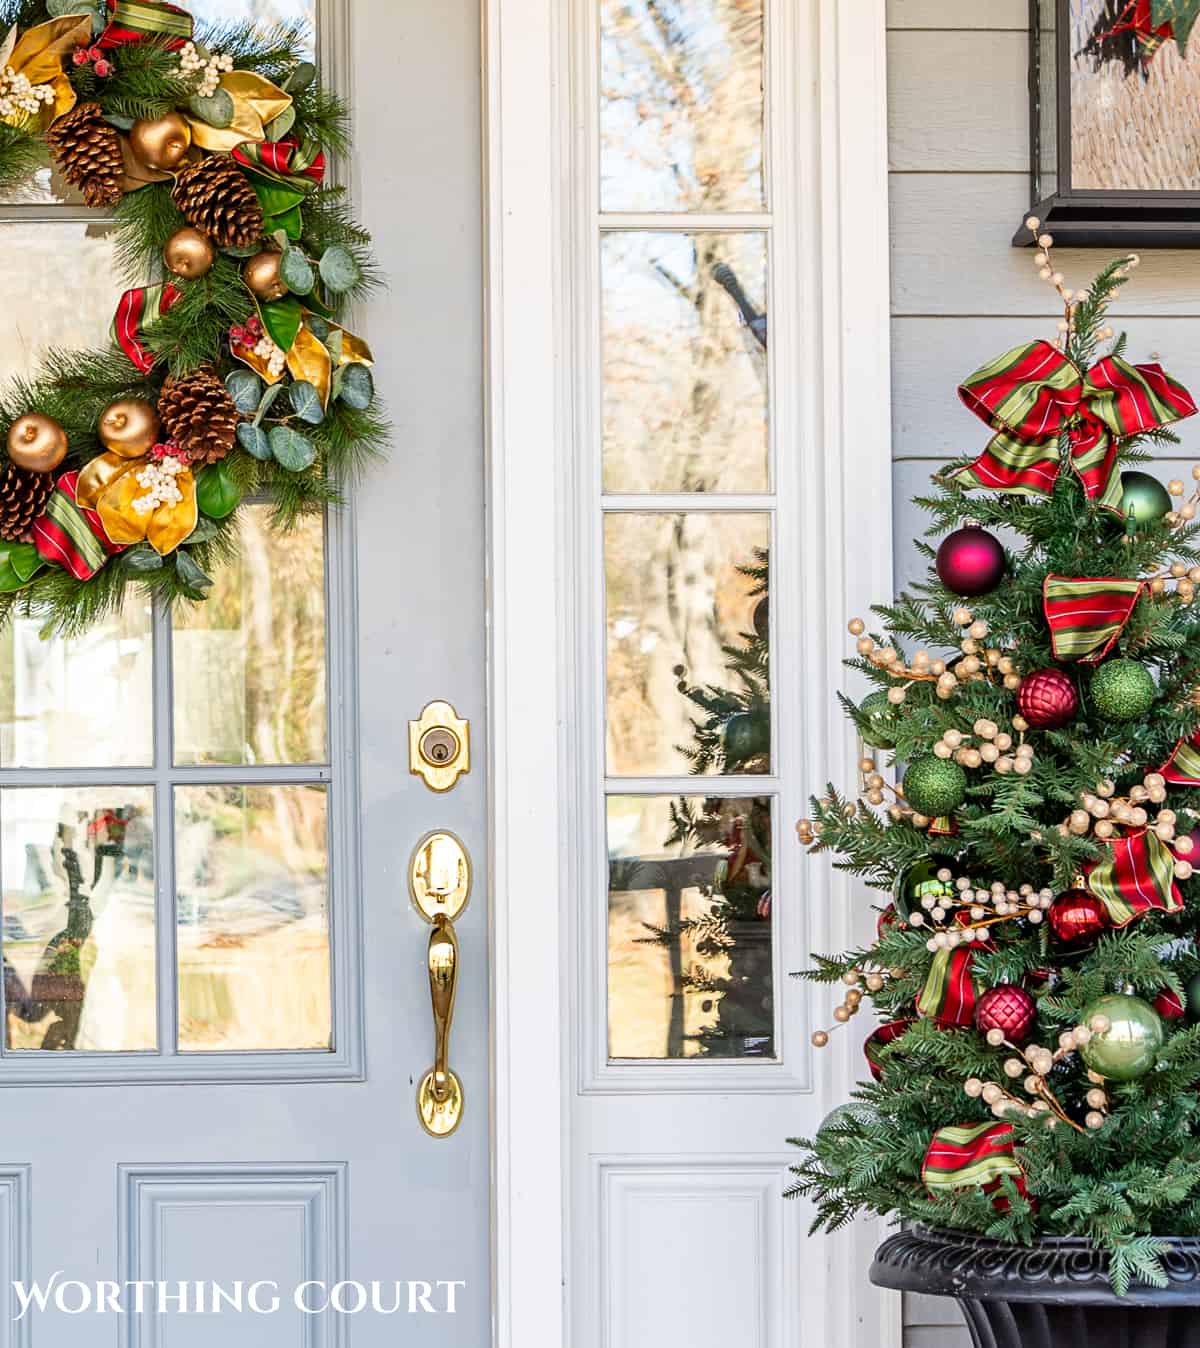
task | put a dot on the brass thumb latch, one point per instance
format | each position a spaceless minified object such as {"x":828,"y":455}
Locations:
{"x":439,"y":878}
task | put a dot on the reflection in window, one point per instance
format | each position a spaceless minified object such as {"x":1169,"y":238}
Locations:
{"x":261,"y":11}
{"x":687,"y":675}
{"x":689,"y":927}
{"x":249,"y":663}
{"x":252,"y":917}
{"x":681,"y":105}
{"x":77,"y":908}
{"x":685,"y":361}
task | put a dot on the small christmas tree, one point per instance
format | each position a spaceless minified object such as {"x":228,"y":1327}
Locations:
{"x":1036,"y":974}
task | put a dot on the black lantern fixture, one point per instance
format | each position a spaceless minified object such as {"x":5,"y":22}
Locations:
{"x":1114,"y":120}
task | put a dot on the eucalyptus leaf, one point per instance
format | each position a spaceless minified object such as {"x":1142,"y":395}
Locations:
{"x":318,"y":327}
{"x":339,"y":270}
{"x":253,"y":439}
{"x":355,"y":386}
{"x":245,"y":388}
{"x":217,"y":494}
{"x":204,"y":532}
{"x":272,"y":392}
{"x":334,"y":343}
{"x":190,"y":574}
{"x":217,"y":109}
{"x":251,"y":250}
{"x":295,"y":271}
{"x":292,"y":451}
{"x":120,"y":121}
{"x":142,"y":558}
{"x":300,"y":78}
{"x":306,"y":402}
{"x":282,"y":124}
{"x":60,"y":9}
{"x":281,"y":240}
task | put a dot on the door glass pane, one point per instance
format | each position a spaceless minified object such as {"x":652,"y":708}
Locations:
{"x":689,"y":927}
{"x":681,"y":105}
{"x":60,"y":288}
{"x":249,"y":663}
{"x":253,"y":918}
{"x":685,"y":362}
{"x":687,"y":676}
{"x":78,"y":702}
{"x":261,"y":11}
{"x":78,"y":917}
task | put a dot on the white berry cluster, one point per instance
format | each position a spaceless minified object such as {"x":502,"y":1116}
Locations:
{"x":980,"y":906}
{"x":18,"y":96}
{"x":158,"y":479}
{"x":195,"y":62}
{"x":275,"y":356}
{"x":986,"y":744}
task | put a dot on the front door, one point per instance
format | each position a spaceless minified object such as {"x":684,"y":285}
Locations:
{"x":213,"y":1094}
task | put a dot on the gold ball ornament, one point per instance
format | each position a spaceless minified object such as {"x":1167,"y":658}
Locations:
{"x":129,"y":427}
{"x":189,"y":253}
{"x":162,"y":143}
{"x":37,"y":443}
{"x":261,"y":275}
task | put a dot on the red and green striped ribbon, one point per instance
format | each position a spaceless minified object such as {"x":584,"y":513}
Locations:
{"x":1087,"y":615}
{"x":287,"y":162}
{"x":1138,"y":876}
{"x":944,"y":826}
{"x":137,"y":20}
{"x":130,"y":319}
{"x":971,"y":1156}
{"x":949,"y":993}
{"x":1033,"y":395}
{"x":71,"y":536}
{"x":1183,"y":767}
{"x":884,"y":1035}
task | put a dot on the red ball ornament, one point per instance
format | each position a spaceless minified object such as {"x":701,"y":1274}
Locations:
{"x":1009,"y":1008}
{"x":1077,"y":915}
{"x":1168,"y":1005}
{"x":1047,"y":699}
{"x":887,"y":920}
{"x":970,"y":561}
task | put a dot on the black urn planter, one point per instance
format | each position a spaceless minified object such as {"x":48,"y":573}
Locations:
{"x":1054,"y":1294}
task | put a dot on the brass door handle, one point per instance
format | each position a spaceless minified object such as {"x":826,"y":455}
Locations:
{"x":440,"y":882}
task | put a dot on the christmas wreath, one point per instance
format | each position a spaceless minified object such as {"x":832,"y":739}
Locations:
{"x":230,"y":372}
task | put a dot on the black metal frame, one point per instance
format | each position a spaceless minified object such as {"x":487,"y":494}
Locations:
{"x":1083,"y":218}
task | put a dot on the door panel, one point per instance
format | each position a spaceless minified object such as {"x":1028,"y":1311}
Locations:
{"x":232,"y":1091}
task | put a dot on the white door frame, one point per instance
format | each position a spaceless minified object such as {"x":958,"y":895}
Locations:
{"x":526,"y":135}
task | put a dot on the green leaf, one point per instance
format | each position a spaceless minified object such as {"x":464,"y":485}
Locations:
{"x":334,"y":343}
{"x":339,"y":270}
{"x":318,"y":327}
{"x":296,"y":272}
{"x":273,"y":391}
{"x":1180,"y":14}
{"x":216,"y":108}
{"x":355,"y":386}
{"x":245,"y":388}
{"x":60,"y":9}
{"x":300,"y":78}
{"x":217,"y":494}
{"x":274,"y":198}
{"x":306,"y":402}
{"x":282,"y":319}
{"x":293,"y":451}
{"x":253,"y":439}
{"x":142,"y":558}
{"x":289,"y":223}
{"x":17,"y":567}
{"x":194,"y":580}
{"x":281,"y":125}
{"x":205,"y":530}
{"x":251,"y":250}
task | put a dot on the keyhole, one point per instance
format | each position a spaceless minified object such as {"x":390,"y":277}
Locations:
{"x":439,"y":746}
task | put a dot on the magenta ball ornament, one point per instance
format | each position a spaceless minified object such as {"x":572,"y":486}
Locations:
{"x":970,"y":561}
{"x":1047,"y":699}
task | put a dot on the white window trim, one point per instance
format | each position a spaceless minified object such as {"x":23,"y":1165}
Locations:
{"x":846,"y":555}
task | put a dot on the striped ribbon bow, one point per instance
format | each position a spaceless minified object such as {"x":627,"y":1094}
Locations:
{"x":130,"y":320}
{"x":71,"y":536}
{"x":1183,"y":767}
{"x":1137,"y":876}
{"x":285,"y":162}
{"x":971,"y":1156}
{"x":884,"y":1035}
{"x":1033,"y":396}
{"x":136,"y":20}
{"x":949,"y":993}
{"x":1087,"y":615}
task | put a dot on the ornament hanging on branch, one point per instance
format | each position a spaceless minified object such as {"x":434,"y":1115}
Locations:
{"x":1144,"y":499}
{"x":1127,"y":1035}
{"x":1009,"y":1009}
{"x":935,"y":786}
{"x":1122,"y":690}
{"x":189,"y":254}
{"x":970,"y":562}
{"x":37,"y":443}
{"x":1077,"y":916}
{"x":1047,"y":699}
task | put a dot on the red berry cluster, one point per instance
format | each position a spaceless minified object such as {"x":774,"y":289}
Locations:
{"x":169,"y":450}
{"x":93,"y":56}
{"x":246,"y":336}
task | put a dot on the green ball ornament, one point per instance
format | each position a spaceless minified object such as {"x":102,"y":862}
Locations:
{"x":746,"y":736}
{"x":1144,"y":499}
{"x":1191,"y":997}
{"x":1122,"y":690}
{"x":1129,"y":1047}
{"x":935,"y":786}
{"x":920,"y":881}
{"x":878,"y":710}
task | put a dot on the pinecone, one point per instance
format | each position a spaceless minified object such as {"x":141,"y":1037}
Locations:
{"x":87,"y":151}
{"x":199,"y":415}
{"x":216,"y":198}
{"x":23,"y":497}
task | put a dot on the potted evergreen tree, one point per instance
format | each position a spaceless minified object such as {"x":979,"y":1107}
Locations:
{"x":1034,"y":1114}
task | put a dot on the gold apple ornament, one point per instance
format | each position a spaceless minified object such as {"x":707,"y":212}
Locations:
{"x":261,"y":275}
{"x":162,"y":143}
{"x":129,"y":427}
{"x":37,"y":443}
{"x":188,"y":253}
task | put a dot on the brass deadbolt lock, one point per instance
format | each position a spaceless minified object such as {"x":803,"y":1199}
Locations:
{"x":439,"y":746}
